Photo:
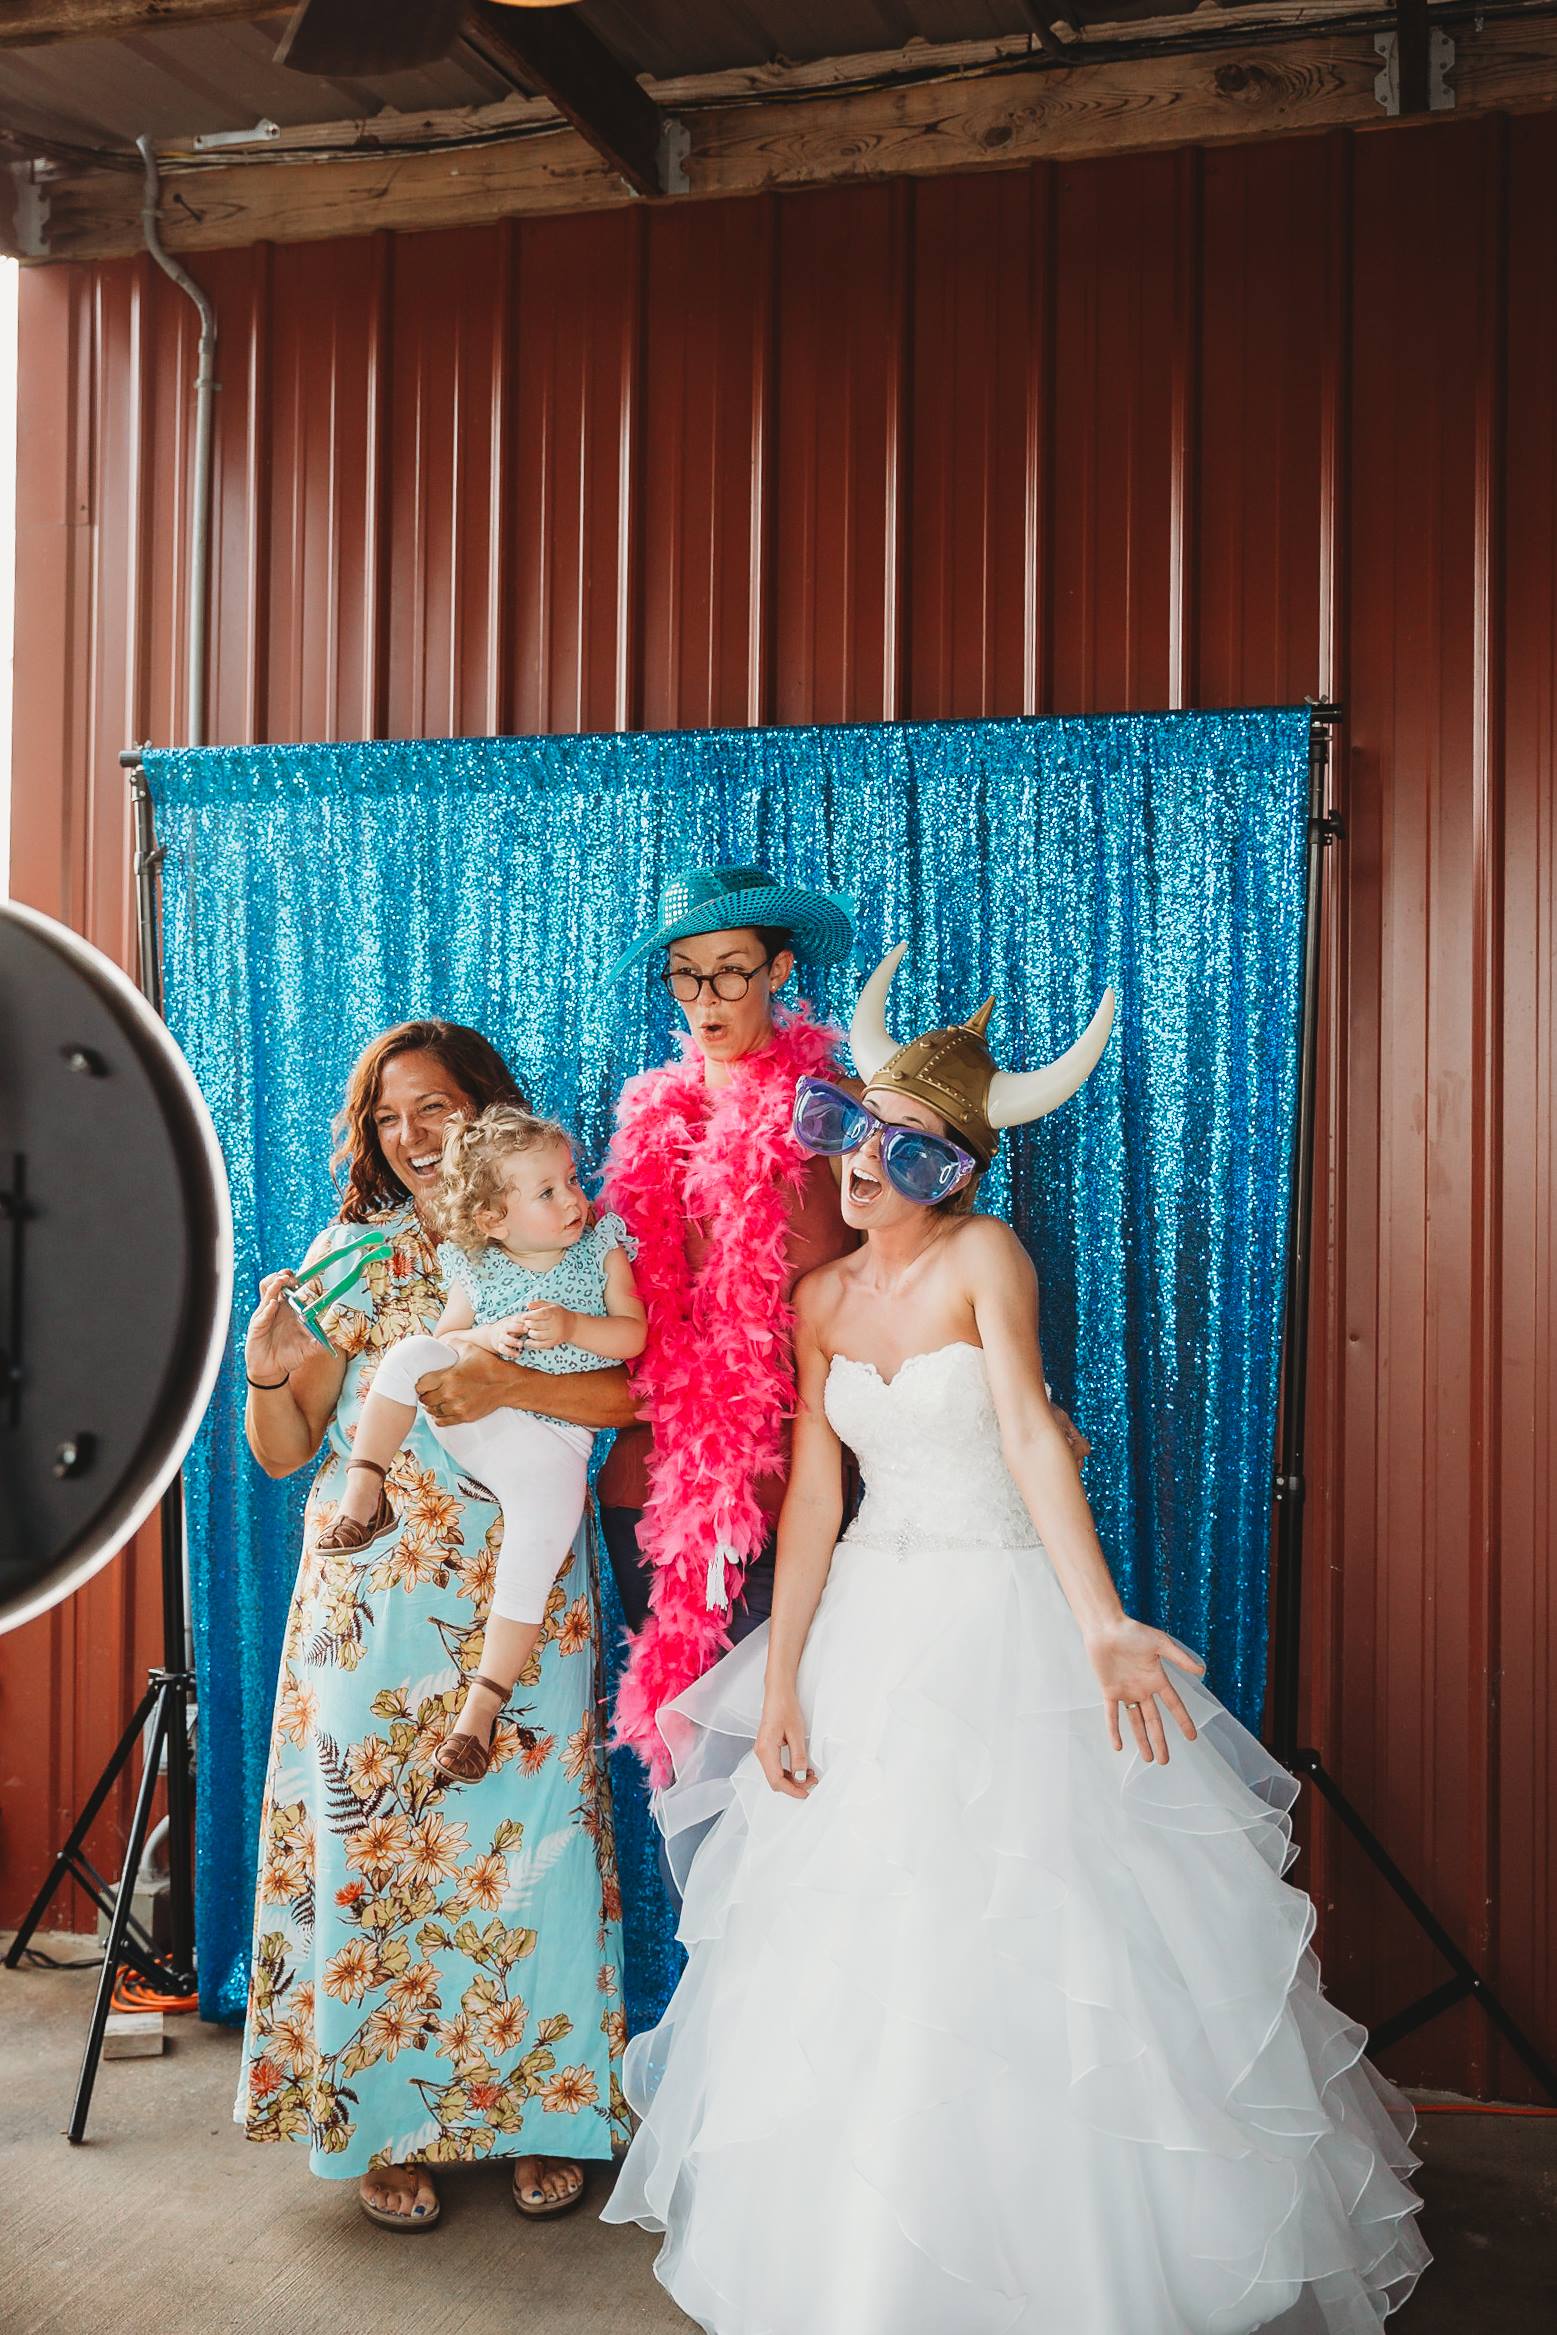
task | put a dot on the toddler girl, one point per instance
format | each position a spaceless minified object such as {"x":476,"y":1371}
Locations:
{"x":529,"y":1278}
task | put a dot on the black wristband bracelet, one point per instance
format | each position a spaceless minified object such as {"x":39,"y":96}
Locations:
{"x":266,"y":1386}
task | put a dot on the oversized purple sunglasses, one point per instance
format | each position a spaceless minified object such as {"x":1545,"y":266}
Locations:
{"x":923,"y":1167}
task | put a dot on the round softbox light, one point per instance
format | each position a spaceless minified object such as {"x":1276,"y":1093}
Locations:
{"x":115,"y":1260}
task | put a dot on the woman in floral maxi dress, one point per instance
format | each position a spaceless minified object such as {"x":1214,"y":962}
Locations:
{"x":436,"y":1969}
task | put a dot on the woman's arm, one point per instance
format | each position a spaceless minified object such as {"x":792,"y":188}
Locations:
{"x":479,"y":1384}
{"x":807,"y":1536}
{"x":1127,"y":1656}
{"x":300,"y":1381}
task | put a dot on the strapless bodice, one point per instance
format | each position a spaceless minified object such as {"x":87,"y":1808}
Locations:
{"x":928,"y":1444}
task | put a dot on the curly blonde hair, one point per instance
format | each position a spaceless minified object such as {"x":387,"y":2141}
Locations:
{"x":471,"y":1183}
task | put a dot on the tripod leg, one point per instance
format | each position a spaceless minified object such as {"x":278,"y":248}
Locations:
{"x":134,"y":1847}
{"x":1467,"y":1978}
{"x":181,"y":1884}
{"x":175,"y":1655}
{"x":64,"y":1864}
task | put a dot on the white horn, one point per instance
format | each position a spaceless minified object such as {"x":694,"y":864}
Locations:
{"x":1017,"y":1096}
{"x":871,"y":1040}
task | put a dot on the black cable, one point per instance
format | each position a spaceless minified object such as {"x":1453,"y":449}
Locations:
{"x":1218,"y":38}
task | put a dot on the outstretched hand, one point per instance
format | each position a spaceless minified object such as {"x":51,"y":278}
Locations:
{"x":1128,"y":1658}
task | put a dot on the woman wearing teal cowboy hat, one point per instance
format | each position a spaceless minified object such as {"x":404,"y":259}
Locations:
{"x":727,"y":1212}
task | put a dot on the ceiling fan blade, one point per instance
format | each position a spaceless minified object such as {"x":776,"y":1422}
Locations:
{"x":359,"y":38}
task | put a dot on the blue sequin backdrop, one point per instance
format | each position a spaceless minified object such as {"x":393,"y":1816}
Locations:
{"x":314,"y":894}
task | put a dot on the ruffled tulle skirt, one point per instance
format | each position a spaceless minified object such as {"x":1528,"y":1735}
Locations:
{"x":1000,"y":2032}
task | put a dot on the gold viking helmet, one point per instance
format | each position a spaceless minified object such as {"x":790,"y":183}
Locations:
{"x":953,"y":1071}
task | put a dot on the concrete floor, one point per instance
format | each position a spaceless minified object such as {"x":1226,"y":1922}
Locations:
{"x":167,"y":2223}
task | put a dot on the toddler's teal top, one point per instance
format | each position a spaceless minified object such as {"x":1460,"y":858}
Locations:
{"x":498,"y":1287}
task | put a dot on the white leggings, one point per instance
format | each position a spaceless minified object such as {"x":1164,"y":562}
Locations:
{"x":537,"y":1470}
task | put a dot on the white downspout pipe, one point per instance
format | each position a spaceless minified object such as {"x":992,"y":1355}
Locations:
{"x":205,"y":414}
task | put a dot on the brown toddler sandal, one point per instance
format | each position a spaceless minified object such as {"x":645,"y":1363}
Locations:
{"x":346,"y":1534}
{"x":462,"y":1758}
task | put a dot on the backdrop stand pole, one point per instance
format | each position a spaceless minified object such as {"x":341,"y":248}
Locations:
{"x":1467,"y":1982}
{"x":161,"y":1721}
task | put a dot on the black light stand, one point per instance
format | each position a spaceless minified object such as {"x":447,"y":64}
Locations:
{"x":1324,"y":828}
{"x":161,"y":1719}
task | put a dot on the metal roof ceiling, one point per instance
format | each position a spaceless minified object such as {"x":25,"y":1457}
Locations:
{"x":177,"y":83}
{"x":188,"y":79}
{"x":705,"y":36}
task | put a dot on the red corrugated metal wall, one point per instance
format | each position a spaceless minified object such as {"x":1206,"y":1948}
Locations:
{"x":1172,"y":431}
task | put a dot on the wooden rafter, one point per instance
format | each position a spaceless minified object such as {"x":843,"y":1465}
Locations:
{"x":554,"y":52}
{"x":28,"y":23}
{"x":746,"y":137}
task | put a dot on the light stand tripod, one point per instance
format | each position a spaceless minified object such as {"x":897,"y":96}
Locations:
{"x":161,"y":1719}
{"x":1324,"y":828}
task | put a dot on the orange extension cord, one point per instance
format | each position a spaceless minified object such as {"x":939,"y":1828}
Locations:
{"x":134,"y":1993}
{"x":1476,"y":2108}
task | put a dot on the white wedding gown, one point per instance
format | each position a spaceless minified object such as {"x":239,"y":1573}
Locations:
{"x":1000,"y":2029}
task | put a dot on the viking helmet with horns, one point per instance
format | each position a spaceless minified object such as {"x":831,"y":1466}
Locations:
{"x":953,"y":1071}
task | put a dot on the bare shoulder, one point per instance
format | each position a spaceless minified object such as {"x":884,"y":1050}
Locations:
{"x":984,"y":1248}
{"x":818,"y":1293}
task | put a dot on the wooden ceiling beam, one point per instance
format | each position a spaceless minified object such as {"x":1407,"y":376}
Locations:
{"x":554,"y":52}
{"x":962,"y":122}
{"x":29,"y":23}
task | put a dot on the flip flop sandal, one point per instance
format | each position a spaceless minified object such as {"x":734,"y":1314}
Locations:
{"x":544,"y":2208}
{"x":462,"y":1758}
{"x":411,"y":2224}
{"x":347,"y":1534}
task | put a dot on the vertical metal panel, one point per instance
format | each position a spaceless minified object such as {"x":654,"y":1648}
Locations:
{"x":980,"y":387}
{"x":840,"y":552}
{"x":1264,"y":306}
{"x":447,"y":407}
{"x":1216,"y":429}
{"x":708,"y":426}
{"x":240,"y":286}
{"x":1522,"y":1867}
{"x":1115,"y":252}
{"x":1415,"y":1661}
{"x":570,"y":512}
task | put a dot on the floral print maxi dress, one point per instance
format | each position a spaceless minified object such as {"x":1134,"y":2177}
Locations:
{"x":436,"y":1969}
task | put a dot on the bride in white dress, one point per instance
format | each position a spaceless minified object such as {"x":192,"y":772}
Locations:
{"x":997,"y":2019}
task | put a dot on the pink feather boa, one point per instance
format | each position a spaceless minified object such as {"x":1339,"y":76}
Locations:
{"x":716,"y":1381}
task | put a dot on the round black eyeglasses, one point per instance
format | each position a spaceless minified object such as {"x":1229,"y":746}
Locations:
{"x":729,"y":984}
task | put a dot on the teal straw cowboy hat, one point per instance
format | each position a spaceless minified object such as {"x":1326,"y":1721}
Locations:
{"x":728,"y":899}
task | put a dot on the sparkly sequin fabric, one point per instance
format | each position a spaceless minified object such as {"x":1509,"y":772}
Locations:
{"x":314,"y":894}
